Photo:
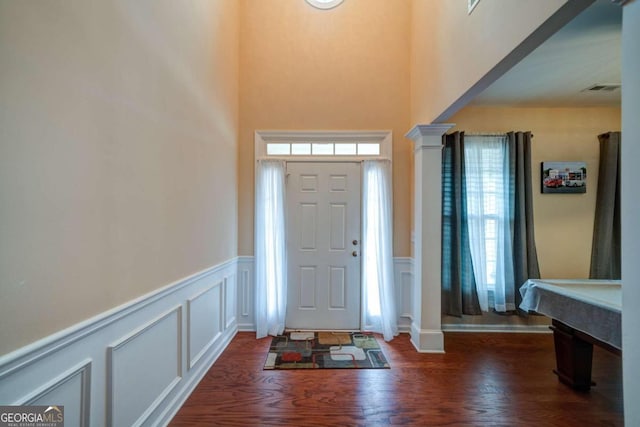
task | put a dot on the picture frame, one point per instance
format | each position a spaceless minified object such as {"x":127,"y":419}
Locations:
{"x":563,"y":177}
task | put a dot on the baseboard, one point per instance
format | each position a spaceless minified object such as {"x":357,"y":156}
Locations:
{"x":427,"y":341}
{"x":535,"y":329}
{"x":134,"y":365}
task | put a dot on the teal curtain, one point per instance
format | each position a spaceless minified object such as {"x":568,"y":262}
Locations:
{"x":605,"y":248}
{"x":459,"y":294}
{"x":525,"y":255}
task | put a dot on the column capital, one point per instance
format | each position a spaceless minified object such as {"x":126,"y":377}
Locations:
{"x":428,"y":135}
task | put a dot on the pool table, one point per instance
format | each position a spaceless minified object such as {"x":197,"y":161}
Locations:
{"x":583,"y":312}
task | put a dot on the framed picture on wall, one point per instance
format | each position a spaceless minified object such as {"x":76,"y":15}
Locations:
{"x":563,"y":177}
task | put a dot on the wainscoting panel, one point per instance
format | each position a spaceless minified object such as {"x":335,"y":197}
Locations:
{"x":142,"y":368}
{"x":135,"y":364}
{"x":403,"y":278}
{"x":205,"y":325}
{"x":231,"y":296}
{"x":71,"y":390}
{"x":246,"y":294}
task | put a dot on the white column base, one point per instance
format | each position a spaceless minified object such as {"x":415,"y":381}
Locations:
{"x":427,"y":341}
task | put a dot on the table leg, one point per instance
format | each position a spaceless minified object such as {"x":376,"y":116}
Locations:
{"x":573,"y":357}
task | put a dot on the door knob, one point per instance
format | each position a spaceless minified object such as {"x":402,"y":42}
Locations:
{"x":354,"y":253}
{"x":355,"y":242}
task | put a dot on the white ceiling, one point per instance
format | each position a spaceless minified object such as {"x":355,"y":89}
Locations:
{"x":586,"y":52}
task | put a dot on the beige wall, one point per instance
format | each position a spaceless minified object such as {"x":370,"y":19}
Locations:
{"x":118,"y":140}
{"x":451,"y":50}
{"x":563,"y":222}
{"x":341,"y":69}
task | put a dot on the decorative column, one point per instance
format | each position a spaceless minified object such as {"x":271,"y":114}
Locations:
{"x":426,"y":328}
{"x":630,"y":200}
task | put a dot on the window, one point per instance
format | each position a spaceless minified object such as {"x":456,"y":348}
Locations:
{"x":368,"y":149}
{"x":485,"y":245}
{"x":326,"y":146}
{"x":299,"y":149}
{"x":485,"y":179}
{"x":489,"y":219}
{"x":278,"y":149}
{"x":346,"y":149}
{"x":324,"y":4}
{"x":322,"y":149}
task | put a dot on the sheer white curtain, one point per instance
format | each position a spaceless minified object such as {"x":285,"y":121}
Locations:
{"x":487,"y":179}
{"x":379,"y":309}
{"x":475,"y":181}
{"x":270,"y":248}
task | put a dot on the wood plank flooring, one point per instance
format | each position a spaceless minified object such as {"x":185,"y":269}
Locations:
{"x":484,"y":379}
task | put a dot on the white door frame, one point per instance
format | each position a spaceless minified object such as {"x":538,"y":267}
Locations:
{"x":263,"y":138}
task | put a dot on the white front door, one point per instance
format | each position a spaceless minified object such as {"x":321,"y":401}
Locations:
{"x":323,"y":244}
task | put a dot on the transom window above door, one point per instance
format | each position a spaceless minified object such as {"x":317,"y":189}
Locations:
{"x":323,"y":149}
{"x":323,"y":145}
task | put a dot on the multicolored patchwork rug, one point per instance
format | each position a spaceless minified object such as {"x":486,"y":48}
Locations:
{"x":333,"y":350}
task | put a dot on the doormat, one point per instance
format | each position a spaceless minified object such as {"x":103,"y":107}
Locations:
{"x":325,"y":350}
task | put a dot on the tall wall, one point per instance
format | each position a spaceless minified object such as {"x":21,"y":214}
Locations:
{"x":118,"y":155}
{"x":341,"y":69}
{"x":563,"y":222}
{"x":453,"y":52}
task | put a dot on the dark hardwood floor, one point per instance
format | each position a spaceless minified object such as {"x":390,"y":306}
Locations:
{"x":484,"y":379}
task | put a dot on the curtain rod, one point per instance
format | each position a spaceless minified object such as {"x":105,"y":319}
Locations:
{"x":488,"y":134}
{"x":485,"y":134}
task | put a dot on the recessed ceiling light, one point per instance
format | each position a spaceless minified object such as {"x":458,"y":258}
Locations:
{"x":324,"y":4}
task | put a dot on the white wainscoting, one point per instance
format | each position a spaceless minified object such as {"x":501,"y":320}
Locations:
{"x":246,"y":294}
{"x":136,"y":364}
{"x":403,"y":277}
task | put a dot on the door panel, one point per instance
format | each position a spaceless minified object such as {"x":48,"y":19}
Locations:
{"x":308,"y":226}
{"x":323,"y":221}
{"x":337,"y":288}
{"x":307,"y":288}
{"x":338,"y":227}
